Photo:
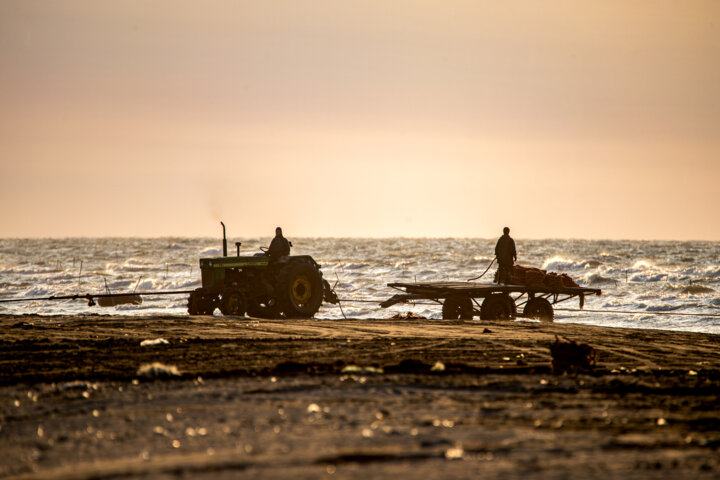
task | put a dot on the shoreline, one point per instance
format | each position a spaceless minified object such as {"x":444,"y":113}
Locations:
{"x":380,"y":397}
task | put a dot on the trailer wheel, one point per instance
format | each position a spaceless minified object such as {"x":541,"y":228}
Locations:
{"x":455,"y":308}
{"x":540,"y":309}
{"x":232,"y":303}
{"x":200,"y":302}
{"x":299,"y":290}
{"x":498,"y":306}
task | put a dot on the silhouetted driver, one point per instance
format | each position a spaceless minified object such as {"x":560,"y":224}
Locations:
{"x":279,"y":247}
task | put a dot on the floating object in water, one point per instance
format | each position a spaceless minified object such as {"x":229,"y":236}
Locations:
{"x":114,"y":300}
{"x":131,"y":299}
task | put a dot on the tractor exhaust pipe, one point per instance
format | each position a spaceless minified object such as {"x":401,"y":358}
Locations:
{"x":224,"y":241}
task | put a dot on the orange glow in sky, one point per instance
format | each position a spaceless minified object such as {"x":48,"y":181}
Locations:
{"x":563,"y":119}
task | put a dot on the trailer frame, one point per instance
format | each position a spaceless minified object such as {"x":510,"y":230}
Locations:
{"x":461,"y":300}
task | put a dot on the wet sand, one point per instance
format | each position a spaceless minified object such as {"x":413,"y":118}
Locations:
{"x":351,"y":399}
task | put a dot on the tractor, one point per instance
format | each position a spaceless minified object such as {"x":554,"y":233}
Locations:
{"x":291,"y":286}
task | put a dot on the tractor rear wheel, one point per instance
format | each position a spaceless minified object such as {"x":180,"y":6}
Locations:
{"x":539,"y":309}
{"x":455,"y":308}
{"x":299,"y":290}
{"x":232,"y":303}
{"x":498,"y":306}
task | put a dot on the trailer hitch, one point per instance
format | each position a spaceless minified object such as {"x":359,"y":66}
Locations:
{"x":329,"y":294}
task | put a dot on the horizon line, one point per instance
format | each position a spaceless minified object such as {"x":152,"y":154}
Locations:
{"x":330,"y":237}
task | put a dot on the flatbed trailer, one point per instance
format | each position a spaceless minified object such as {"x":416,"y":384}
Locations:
{"x":489,"y":301}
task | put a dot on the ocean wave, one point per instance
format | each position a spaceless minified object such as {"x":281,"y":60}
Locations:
{"x":641,"y":278}
{"x":693,"y":290}
{"x":147,"y":284}
{"x":480,"y":261}
{"x":26,"y":270}
{"x":664,"y":308}
{"x":679,"y":278}
{"x":597,"y":279}
{"x":355,"y":266}
{"x":133,"y":307}
{"x":642,"y":265}
{"x":609,"y":257}
{"x":130,"y":269}
{"x":404,"y":264}
{"x":134,"y":261}
{"x":38,"y":291}
{"x":713,"y":271}
{"x":559,"y":263}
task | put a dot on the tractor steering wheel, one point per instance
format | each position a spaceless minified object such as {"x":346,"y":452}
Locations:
{"x":264,"y":249}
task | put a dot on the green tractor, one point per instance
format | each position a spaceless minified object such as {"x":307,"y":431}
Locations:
{"x":290,"y":286}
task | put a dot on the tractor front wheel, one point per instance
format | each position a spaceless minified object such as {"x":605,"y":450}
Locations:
{"x":200,"y":302}
{"x":232,"y":303}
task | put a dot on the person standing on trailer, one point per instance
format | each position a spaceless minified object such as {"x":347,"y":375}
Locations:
{"x":506,"y":256}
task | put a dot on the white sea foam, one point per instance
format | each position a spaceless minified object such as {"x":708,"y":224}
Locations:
{"x":649,"y":278}
{"x":642,"y":265}
{"x":558,"y":263}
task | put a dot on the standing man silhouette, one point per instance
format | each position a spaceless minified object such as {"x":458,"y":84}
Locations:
{"x":506,"y":255}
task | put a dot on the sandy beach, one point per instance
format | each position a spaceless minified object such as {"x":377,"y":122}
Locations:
{"x":350,"y":399}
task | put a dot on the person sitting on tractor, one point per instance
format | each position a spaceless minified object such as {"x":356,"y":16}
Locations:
{"x":506,"y":256}
{"x":279,"y":247}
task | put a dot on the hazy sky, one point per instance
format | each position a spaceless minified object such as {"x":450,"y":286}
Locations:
{"x":582,"y":119}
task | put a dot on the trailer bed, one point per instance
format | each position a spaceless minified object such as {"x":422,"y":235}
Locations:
{"x":459,"y":299}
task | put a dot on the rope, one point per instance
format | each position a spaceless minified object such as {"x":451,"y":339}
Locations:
{"x":482,"y":274}
{"x":339,"y":302}
{"x":350,"y":300}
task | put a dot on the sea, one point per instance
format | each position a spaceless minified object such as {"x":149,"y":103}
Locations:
{"x":665,"y":285}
